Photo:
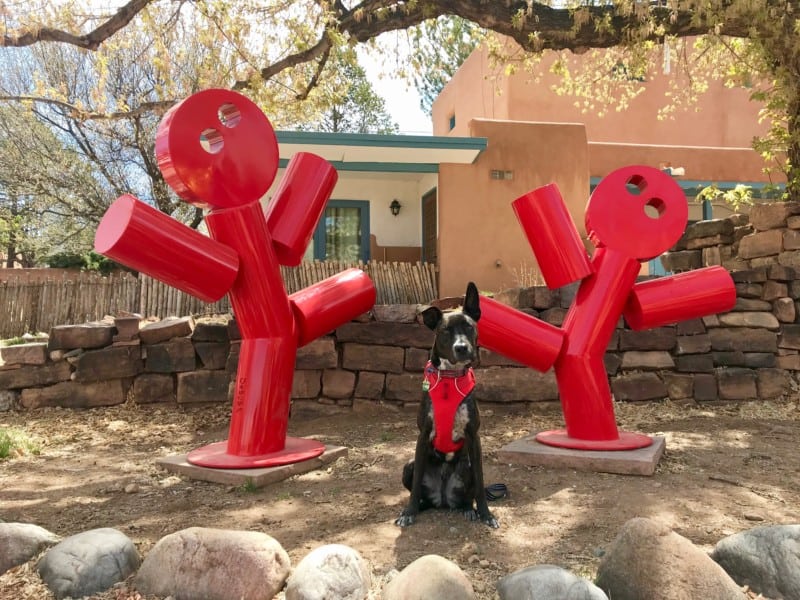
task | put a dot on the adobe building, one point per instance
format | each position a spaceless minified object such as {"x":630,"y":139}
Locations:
{"x":447,"y":199}
{"x":535,"y":136}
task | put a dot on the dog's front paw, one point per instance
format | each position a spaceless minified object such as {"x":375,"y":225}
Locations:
{"x":470,"y":514}
{"x":489,"y":519}
{"x":405,"y":519}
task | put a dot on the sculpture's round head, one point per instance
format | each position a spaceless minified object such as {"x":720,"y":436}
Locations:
{"x":216,"y":149}
{"x":637,"y":210}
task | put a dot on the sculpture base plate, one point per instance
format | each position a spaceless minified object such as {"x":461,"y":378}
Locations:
{"x":626,"y":441}
{"x":250,"y":477}
{"x":216,"y":455}
{"x":528,"y":451}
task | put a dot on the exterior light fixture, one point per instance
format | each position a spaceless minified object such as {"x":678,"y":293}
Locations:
{"x":395,"y":207}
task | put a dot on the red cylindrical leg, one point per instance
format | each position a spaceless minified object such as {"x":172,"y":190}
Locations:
{"x":552,"y":235}
{"x":680,"y":297}
{"x":580,"y":371}
{"x":322,"y":307}
{"x":588,"y":409}
{"x":518,"y":336}
{"x":260,"y":415}
{"x":586,"y":398}
{"x":298,"y":204}
{"x":140,"y":237}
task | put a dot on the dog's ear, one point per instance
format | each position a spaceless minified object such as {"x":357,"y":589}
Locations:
{"x":472,"y":307}
{"x":431,"y":317}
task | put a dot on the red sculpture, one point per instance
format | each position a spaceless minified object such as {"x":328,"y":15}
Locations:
{"x":635,"y":214}
{"x":218,"y":151}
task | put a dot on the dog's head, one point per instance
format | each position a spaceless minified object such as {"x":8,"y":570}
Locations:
{"x":456,"y":342}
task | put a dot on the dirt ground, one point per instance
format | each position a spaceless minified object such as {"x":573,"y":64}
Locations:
{"x":727,"y":468}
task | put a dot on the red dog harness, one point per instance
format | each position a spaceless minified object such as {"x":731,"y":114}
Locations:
{"x":447,"y":389}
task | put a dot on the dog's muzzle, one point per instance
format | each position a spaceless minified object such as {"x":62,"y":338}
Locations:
{"x":463,"y":351}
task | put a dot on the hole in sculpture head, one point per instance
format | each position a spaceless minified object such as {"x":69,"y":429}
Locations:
{"x":636,"y":185}
{"x":229,"y":115}
{"x":211,"y":141}
{"x":654,"y":208}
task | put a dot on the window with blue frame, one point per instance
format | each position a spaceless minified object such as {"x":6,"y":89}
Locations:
{"x":343,"y":231}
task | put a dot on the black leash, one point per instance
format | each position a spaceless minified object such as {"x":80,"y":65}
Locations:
{"x":496,"y":491}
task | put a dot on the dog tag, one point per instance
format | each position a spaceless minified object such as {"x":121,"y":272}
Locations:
{"x":425,"y":385}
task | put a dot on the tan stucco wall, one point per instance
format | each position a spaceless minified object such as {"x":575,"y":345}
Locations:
{"x":716,"y":164}
{"x":480,"y":239}
{"x":471,"y":93}
{"x":721,"y":118}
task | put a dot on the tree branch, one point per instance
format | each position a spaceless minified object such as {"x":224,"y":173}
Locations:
{"x":88,"y":41}
{"x":81,"y":114}
{"x":533,"y":26}
{"x":315,"y":79}
{"x":322,"y":47}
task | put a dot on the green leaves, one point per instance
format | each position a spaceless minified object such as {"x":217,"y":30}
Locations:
{"x":438,"y":48}
{"x":737,"y":197}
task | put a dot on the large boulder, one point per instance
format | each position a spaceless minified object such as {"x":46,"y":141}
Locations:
{"x":648,"y":561}
{"x":19,"y":542}
{"x":331,"y":571}
{"x":765,"y":558}
{"x":88,"y":562}
{"x":547,"y":582}
{"x":430,"y":576}
{"x":214,"y":564}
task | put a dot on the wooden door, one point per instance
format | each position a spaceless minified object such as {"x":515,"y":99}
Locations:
{"x":429,"y":227}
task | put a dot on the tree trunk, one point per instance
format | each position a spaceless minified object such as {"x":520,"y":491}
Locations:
{"x":793,"y":149}
{"x":11,"y":252}
{"x":11,"y":248}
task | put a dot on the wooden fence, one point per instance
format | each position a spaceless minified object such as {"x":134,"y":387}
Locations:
{"x":31,"y":306}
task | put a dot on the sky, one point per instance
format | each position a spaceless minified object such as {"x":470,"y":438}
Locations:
{"x":402,"y":102}
{"x":402,"y":99}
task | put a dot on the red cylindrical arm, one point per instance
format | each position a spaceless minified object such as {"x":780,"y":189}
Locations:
{"x":518,"y":336}
{"x":680,"y":297}
{"x":140,"y":237}
{"x":553,"y":237}
{"x":324,"y":306}
{"x":298,"y":204}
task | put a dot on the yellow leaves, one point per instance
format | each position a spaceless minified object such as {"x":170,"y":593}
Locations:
{"x":580,"y":17}
{"x":604,"y":24}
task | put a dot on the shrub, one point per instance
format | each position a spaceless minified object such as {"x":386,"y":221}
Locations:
{"x":15,"y":442}
{"x":88,"y":262}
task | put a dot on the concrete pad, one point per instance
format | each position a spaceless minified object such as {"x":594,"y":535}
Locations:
{"x":253,"y":477}
{"x":528,"y":451}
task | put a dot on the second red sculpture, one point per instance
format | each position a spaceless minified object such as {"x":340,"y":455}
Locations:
{"x":634,"y":215}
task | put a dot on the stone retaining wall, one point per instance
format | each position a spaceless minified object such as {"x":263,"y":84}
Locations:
{"x":752,"y":352}
{"x":380,"y":358}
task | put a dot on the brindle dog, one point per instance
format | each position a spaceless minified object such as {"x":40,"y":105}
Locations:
{"x":447,"y":470}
